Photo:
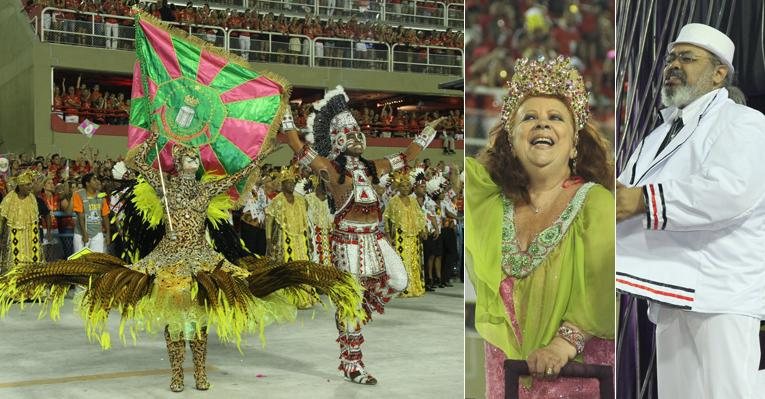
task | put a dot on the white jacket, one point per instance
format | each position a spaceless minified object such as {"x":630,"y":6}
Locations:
{"x":701,"y":243}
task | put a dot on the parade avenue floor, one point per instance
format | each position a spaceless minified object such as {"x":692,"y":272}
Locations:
{"x":415,"y":350}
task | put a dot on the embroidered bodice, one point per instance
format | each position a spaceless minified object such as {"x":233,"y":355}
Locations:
{"x":361,"y":198}
{"x":519,"y":263}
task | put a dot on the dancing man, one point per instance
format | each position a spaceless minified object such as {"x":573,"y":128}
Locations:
{"x":358,"y":245}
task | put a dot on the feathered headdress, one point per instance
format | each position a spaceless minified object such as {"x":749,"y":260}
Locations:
{"x":417,"y":175}
{"x":435,"y":185}
{"x":331,"y":123}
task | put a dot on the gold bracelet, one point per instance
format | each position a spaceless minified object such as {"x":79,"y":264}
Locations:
{"x":573,"y":337}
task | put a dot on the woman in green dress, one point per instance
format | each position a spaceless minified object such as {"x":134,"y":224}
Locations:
{"x":540,"y":234}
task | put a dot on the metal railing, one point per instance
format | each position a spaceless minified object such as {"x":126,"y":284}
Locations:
{"x":270,"y":47}
{"x":418,"y":12}
{"x":212,"y":34}
{"x":346,"y":53}
{"x":87,"y":29}
{"x":455,"y":16}
{"x":109,"y":31}
{"x":427,"y":59}
{"x":98,"y":30}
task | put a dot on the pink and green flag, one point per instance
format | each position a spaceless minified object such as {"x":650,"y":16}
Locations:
{"x":200,"y":96}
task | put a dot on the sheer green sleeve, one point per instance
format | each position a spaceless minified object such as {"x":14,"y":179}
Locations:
{"x":591,"y":303}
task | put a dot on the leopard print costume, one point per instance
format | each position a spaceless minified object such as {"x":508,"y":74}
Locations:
{"x":199,"y":355}
{"x":187,"y":252}
{"x":176,"y":349}
{"x":180,"y":255}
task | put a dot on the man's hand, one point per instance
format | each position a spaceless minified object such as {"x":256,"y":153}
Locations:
{"x":629,"y":201}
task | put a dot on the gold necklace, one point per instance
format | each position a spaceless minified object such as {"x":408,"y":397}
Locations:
{"x":538,"y":209}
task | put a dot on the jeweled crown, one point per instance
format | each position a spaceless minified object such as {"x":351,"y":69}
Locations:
{"x":556,"y":77}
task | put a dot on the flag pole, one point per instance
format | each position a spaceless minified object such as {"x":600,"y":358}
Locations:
{"x":171,"y":233}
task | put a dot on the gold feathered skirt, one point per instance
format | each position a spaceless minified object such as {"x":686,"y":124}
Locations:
{"x":149,"y":295}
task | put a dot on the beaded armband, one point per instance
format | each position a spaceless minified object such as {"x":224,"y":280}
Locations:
{"x":426,"y":136}
{"x":288,"y":123}
{"x":397,"y":161}
{"x":306,"y":155}
{"x":573,"y":337}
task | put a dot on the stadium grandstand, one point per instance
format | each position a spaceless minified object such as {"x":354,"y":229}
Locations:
{"x":391,"y":56}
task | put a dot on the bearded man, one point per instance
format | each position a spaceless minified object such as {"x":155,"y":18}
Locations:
{"x":690,"y":216}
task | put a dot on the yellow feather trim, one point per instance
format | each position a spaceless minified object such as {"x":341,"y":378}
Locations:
{"x":148,"y":203}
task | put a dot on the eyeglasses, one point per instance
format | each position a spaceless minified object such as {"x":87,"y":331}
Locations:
{"x":684,"y":58}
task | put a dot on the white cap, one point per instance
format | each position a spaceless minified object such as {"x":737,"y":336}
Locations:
{"x":709,"y":39}
{"x":3,"y":165}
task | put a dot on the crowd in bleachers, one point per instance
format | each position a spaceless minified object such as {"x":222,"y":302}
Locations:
{"x":500,"y":32}
{"x":198,"y":17}
{"x":90,"y":103}
{"x":105,"y":107}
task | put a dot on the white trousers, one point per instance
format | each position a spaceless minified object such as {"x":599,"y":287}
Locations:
{"x":707,"y":356}
{"x":112,"y":33}
{"x":244,"y":45}
{"x":95,"y":243}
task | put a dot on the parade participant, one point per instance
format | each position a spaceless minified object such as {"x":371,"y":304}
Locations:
{"x":540,"y":214}
{"x":183,"y":284}
{"x":689,"y":210}
{"x":286,"y":221}
{"x":287,"y":232}
{"x":405,"y":224}
{"x":19,"y":228}
{"x":319,"y":222}
{"x":434,"y":243}
{"x":358,"y":246}
{"x":253,"y":233}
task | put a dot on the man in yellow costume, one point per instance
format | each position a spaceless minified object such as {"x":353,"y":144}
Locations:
{"x":287,"y":233}
{"x":320,"y":222}
{"x":405,"y":223}
{"x":19,"y":228}
{"x":286,"y":221}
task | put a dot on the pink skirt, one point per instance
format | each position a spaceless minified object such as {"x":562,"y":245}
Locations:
{"x":596,"y":351}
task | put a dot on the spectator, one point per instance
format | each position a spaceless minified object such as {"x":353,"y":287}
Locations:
{"x":166,"y":12}
{"x":72,"y":100}
{"x":92,"y":228}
